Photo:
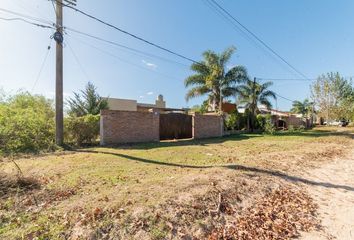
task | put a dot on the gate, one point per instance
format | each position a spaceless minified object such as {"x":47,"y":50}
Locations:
{"x":175,"y":126}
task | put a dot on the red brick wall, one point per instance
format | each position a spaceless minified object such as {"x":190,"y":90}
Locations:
{"x":128,"y":127}
{"x":296,"y":122}
{"x":205,"y":126}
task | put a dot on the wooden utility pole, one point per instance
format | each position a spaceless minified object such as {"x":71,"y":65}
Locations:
{"x":58,"y":36}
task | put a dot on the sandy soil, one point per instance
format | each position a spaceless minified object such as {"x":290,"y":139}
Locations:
{"x":333,"y":191}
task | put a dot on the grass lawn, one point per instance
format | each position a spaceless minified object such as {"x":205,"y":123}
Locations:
{"x":135,"y":191}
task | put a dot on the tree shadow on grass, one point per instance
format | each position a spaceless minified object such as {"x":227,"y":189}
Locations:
{"x":316,"y":133}
{"x":185,"y":142}
{"x":230,"y":138}
{"x":231,"y":166}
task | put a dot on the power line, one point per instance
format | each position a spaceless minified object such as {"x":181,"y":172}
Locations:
{"x":258,"y":39}
{"x":127,"y":62}
{"x":130,"y":34}
{"x":78,"y":61}
{"x":134,"y":50}
{"x":41,"y":20}
{"x":26,"y":21}
{"x":240,"y":30}
{"x":284,"y":97}
{"x":286,"y":79}
{"x":42,"y":66}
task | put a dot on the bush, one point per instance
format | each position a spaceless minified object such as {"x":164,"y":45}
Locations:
{"x":291,"y":129}
{"x":269,"y":127}
{"x":82,"y":130}
{"x":230,"y":121}
{"x":235,"y":121}
{"x":301,"y":128}
{"x":26,"y":124}
{"x":260,"y":122}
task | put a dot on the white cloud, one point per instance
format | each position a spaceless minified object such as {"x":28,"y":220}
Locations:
{"x":150,"y":93}
{"x":141,"y":97}
{"x":149,"y":64}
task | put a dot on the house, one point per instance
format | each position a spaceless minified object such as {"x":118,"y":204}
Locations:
{"x":119,"y":104}
{"x":283,"y":119}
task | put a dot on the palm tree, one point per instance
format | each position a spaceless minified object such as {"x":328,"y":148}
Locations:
{"x":252,"y":94}
{"x":304,"y":108}
{"x":211,"y":78}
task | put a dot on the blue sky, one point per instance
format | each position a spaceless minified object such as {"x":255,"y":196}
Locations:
{"x":315,"y":36}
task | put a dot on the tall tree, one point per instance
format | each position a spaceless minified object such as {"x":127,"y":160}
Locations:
{"x":87,"y":101}
{"x":305,"y":108}
{"x":213,"y":79}
{"x":253,"y":94}
{"x":333,"y":96}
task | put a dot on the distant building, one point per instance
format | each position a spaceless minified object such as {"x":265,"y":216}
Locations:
{"x":119,"y":104}
{"x":283,"y":119}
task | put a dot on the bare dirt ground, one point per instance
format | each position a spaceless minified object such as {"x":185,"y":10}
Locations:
{"x":335,"y":199}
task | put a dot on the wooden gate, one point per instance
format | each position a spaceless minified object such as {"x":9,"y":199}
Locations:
{"x":175,"y":126}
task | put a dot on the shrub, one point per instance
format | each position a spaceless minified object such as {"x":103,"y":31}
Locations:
{"x":82,"y":130}
{"x":269,"y":127}
{"x":230,"y":121}
{"x":235,"y":121}
{"x":260,"y":122}
{"x":301,"y":128}
{"x":26,"y":124}
{"x":291,"y":129}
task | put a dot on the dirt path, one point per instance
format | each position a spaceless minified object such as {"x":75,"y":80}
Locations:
{"x":335,"y":198}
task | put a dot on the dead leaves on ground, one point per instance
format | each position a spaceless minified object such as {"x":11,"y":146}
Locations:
{"x":280,"y":215}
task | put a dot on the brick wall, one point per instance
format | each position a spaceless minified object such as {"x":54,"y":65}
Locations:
{"x":296,"y":122}
{"x":128,"y":127}
{"x":206,"y":126}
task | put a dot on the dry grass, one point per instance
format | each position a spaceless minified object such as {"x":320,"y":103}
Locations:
{"x":140,"y":191}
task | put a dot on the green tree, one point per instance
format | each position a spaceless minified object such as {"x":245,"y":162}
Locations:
{"x":253,"y":94}
{"x":201,"y":108}
{"x":87,"y":101}
{"x":333,"y":97}
{"x":305,"y":108}
{"x":211,"y":78}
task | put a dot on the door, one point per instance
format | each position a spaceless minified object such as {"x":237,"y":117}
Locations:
{"x":175,"y":126}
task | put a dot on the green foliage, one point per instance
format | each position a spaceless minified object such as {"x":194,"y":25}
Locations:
{"x":201,"y":108}
{"x":305,"y":108}
{"x":231,"y":121}
{"x":88,"y":101}
{"x":334,"y":97}
{"x":291,"y":128}
{"x":211,"y":77}
{"x":260,"y":122}
{"x":253,"y":94}
{"x":26,"y":124}
{"x":82,"y":130}
{"x":235,"y":121}
{"x":269,"y":127}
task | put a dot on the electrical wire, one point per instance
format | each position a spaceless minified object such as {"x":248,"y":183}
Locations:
{"x":287,"y":79}
{"x":77,"y":60}
{"x":43,"y":64}
{"x":258,"y":38}
{"x":284,"y":97}
{"x":134,"y":50}
{"x":41,"y":20}
{"x":244,"y":34}
{"x":127,"y":62}
{"x":26,"y":21}
{"x":130,"y":34}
